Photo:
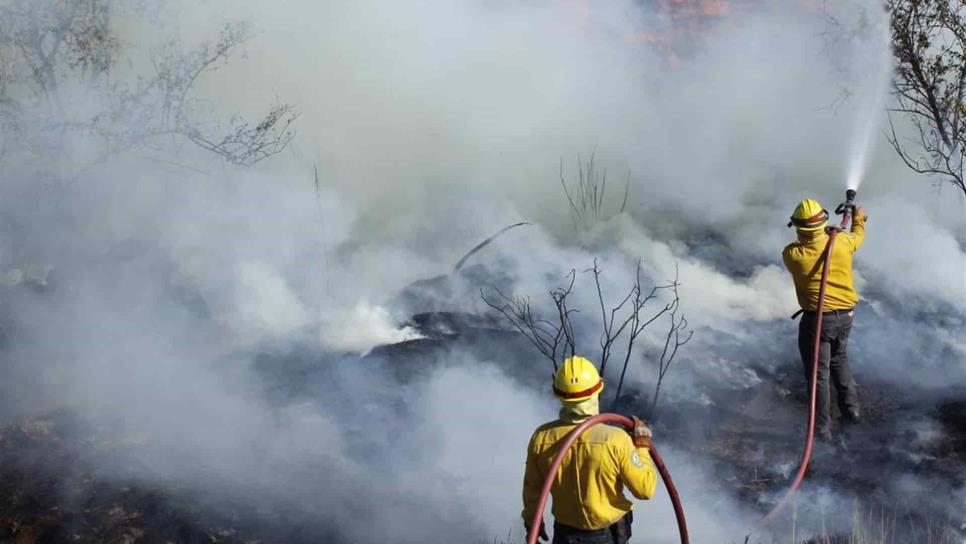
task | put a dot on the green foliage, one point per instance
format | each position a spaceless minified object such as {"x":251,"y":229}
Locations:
{"x":929,"y":44}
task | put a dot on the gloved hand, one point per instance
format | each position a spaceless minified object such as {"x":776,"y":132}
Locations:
{"x":542,"y":536}
{"x":642,"y":434}
{"x":860,"y":212}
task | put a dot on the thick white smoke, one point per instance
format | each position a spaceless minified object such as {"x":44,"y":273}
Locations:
{"x":434,"y":124}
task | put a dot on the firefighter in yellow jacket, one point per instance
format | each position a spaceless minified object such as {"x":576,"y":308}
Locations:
{"x":803,"y":258}
{"x":589,"y":506}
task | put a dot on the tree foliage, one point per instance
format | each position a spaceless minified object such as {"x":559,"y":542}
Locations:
{"x":45,"y":41}
{"x":929,"y":44}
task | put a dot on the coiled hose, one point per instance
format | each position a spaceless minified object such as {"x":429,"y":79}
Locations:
{"x":813,"y":390}
{"x":558,"y":459}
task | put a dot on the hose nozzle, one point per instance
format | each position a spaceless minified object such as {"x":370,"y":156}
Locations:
{"x":847,"y":207}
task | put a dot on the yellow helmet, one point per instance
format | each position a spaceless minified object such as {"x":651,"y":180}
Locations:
{"x":577,"y":380}
{"x":809,"y":216}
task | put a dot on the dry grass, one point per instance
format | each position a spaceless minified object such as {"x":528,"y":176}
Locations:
{"x":871,"y":525}
{"x":875,"y":525}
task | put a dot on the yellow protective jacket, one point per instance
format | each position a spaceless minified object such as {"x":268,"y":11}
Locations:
{"x":588,"y":490}
{"x":803,"y":259}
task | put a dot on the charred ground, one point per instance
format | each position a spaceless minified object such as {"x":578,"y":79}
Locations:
{"x":54,"y":489}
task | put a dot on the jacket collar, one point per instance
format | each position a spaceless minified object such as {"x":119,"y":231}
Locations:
{"x":815,"y":238}
{"x":579,"y":411}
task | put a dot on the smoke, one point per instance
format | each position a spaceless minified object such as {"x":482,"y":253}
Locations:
{"x":178,"y":294}
{"x":365,"y":327}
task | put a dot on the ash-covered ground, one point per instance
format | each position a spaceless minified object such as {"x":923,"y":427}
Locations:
{"x":899,"y":474}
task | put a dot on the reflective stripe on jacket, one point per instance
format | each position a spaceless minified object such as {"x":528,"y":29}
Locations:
{"x":803,"y":258}
{"x":588,"y":491}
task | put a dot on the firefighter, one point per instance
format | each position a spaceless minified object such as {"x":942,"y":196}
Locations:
{"x":803,"y":258}
{"x":589,"y":506}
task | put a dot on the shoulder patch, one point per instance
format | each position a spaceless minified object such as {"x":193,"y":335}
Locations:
{"x":636,"y":459}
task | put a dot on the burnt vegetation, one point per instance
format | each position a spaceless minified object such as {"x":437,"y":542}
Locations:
{"x":553,"y":332}
{"x":586,"y":194}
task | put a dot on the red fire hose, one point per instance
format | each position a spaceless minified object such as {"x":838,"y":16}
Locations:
{"x":813,"y":394}
{"x":558,"y":459}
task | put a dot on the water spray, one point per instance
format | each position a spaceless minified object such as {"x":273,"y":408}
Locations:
{"x":869,"y":82}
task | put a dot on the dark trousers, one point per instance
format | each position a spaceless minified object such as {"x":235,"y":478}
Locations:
{"x":833,"y":361}
{"x":618,"y":533}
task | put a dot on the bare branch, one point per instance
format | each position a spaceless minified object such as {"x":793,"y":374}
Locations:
{"x":246,"y":145}
{"x":673,"y":341}
{"x":552,"y":339}
{"x":637,"y":324}
{"x":484,"y":243}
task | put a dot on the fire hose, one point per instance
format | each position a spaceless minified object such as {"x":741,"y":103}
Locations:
{"x":845,"y":209}
{"x":558,"y":459}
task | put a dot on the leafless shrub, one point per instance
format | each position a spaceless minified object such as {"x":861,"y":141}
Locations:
{"x":621,"y":323}
{"x":634,"y":322}
{"x":585,"y":195}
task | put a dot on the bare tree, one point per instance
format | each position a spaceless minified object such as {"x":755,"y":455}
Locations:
{"x":554,"y":336}
{"x":585,"y":195}
{"x":164,"y":105}
{"x":929,"y":41}
{"x":45,"y":43}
